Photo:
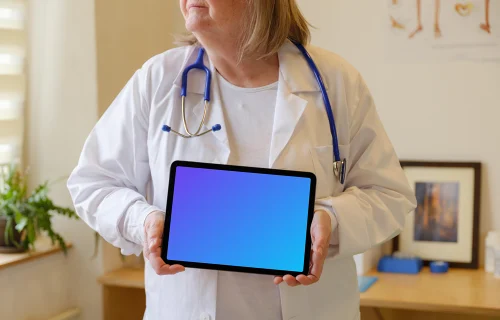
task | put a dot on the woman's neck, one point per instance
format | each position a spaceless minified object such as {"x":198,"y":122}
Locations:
{"x":248,"y":73}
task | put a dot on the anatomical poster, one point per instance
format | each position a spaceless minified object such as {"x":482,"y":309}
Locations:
{"x":431,"y":30}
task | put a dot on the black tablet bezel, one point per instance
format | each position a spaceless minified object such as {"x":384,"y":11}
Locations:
{"x":198,"y":265}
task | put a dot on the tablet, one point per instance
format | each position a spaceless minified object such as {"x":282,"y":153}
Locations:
{"x":242,"y":219}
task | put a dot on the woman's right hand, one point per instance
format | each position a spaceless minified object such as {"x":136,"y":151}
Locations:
{"x":153,"y":231}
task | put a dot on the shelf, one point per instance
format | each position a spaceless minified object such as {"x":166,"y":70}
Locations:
{"x":126,"y":278}
{"x":43,"y":248}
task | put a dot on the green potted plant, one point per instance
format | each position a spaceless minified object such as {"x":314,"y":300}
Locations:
{"x":25,"y":215}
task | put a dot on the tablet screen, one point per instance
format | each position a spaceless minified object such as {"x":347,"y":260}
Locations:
{"x":238,"y":219}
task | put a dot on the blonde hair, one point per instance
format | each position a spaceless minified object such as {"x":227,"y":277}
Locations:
{"x":269,"y":24}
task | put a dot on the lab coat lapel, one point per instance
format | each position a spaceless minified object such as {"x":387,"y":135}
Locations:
{"x":289,"y":109}
{"x":295,"y":77}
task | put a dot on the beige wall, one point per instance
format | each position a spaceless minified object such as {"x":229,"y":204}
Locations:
{"x":127,"y":36}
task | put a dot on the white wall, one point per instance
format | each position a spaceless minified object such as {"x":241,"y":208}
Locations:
{"x":62,"y":111}
{"x":440,"y":111}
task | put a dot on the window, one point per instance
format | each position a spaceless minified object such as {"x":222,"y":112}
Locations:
{"x":12,"y":79}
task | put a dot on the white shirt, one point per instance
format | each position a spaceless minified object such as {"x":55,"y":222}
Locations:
{"x":252,"y":109}
{"x":124,"y":171}
{"x":248,"y":296}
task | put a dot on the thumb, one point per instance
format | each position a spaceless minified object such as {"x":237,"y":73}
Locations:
{"x":145,"y":247}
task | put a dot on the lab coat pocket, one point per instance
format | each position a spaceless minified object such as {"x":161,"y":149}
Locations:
{"x":327,"y":183}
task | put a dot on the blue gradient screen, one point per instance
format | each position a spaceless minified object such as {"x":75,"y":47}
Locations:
{"x":239,"y":219}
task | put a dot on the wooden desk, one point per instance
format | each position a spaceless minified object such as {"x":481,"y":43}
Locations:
{"x":458,"y":294}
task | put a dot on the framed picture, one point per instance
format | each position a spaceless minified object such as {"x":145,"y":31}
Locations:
{"x":445,"y":224}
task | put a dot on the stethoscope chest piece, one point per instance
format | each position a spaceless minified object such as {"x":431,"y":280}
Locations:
{"x":340,"y":170}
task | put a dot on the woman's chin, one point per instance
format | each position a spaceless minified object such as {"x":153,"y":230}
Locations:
{"x":197,"y":24}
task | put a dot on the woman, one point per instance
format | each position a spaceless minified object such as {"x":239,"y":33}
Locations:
{"x":272,"y":115}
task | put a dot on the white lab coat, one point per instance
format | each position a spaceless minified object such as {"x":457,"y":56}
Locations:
{"x":123,"y":173}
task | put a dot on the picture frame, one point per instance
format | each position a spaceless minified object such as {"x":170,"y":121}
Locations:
{"x":445,"y":224}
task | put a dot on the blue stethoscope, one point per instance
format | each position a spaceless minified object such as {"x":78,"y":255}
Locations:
{"x":339,"y":166}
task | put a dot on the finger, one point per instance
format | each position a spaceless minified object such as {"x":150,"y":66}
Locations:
{"x":291,"y":281}
{"x":154,"y":241}
{"x":146,"y":251}
{"x":313,"y":278}
{"x":278,"y":280}
{"x":151,"y":240}
{"x":317,"y":266}
{"x":320,"y":240}
{"x":168,"y":270}
{"x":177,"y":268}
{"x":155,"y":247}
{"x":304,"y":280}
{"x":161,"y":268}
{"x":151,"y":247}
{"x":310,"y":260}
{"x":145,"y":247}
{"x":155,"y":231}
{"x":156,"y":262}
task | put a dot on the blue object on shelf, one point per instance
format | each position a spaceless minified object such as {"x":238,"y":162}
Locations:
{"x":365,"y":282}
{"x":400,"y":265}
{"x":439,"y":267}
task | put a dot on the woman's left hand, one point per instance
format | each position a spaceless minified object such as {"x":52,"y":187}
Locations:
{"x":321,"y":230}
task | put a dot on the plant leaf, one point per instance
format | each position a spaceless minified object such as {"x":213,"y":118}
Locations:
{"x":14,"y":209}
{"x":8,"y":226}
{"x":70,"y":213}
{"x":9,"y":233}
{"x":31,"y":232}
{"x":18,"y":216}
{"x":28,"y":212}
{"x":21,"y":224}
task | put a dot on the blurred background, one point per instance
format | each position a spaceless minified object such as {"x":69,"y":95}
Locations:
{"x":62,"y":62}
